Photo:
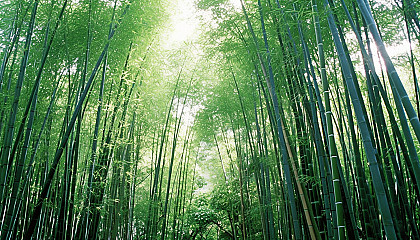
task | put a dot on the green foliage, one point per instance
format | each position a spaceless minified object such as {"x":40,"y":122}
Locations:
{"x":188,"y":143}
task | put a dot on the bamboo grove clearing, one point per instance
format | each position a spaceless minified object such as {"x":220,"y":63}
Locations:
{"x":249,"y":119}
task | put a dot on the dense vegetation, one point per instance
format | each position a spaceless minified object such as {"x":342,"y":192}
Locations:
{"x":273,"y":120}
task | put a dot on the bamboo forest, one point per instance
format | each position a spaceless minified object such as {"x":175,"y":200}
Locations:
{"x":209,"y":119}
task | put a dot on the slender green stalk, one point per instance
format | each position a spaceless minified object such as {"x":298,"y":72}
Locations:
{"x":8,"y":137}
{"x":370,"y":152}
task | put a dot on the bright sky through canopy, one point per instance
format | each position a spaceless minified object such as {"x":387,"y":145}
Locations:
{"x":184,"y":23}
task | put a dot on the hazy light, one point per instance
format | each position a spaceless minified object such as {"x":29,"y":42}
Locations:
{"x":183,"y":25}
